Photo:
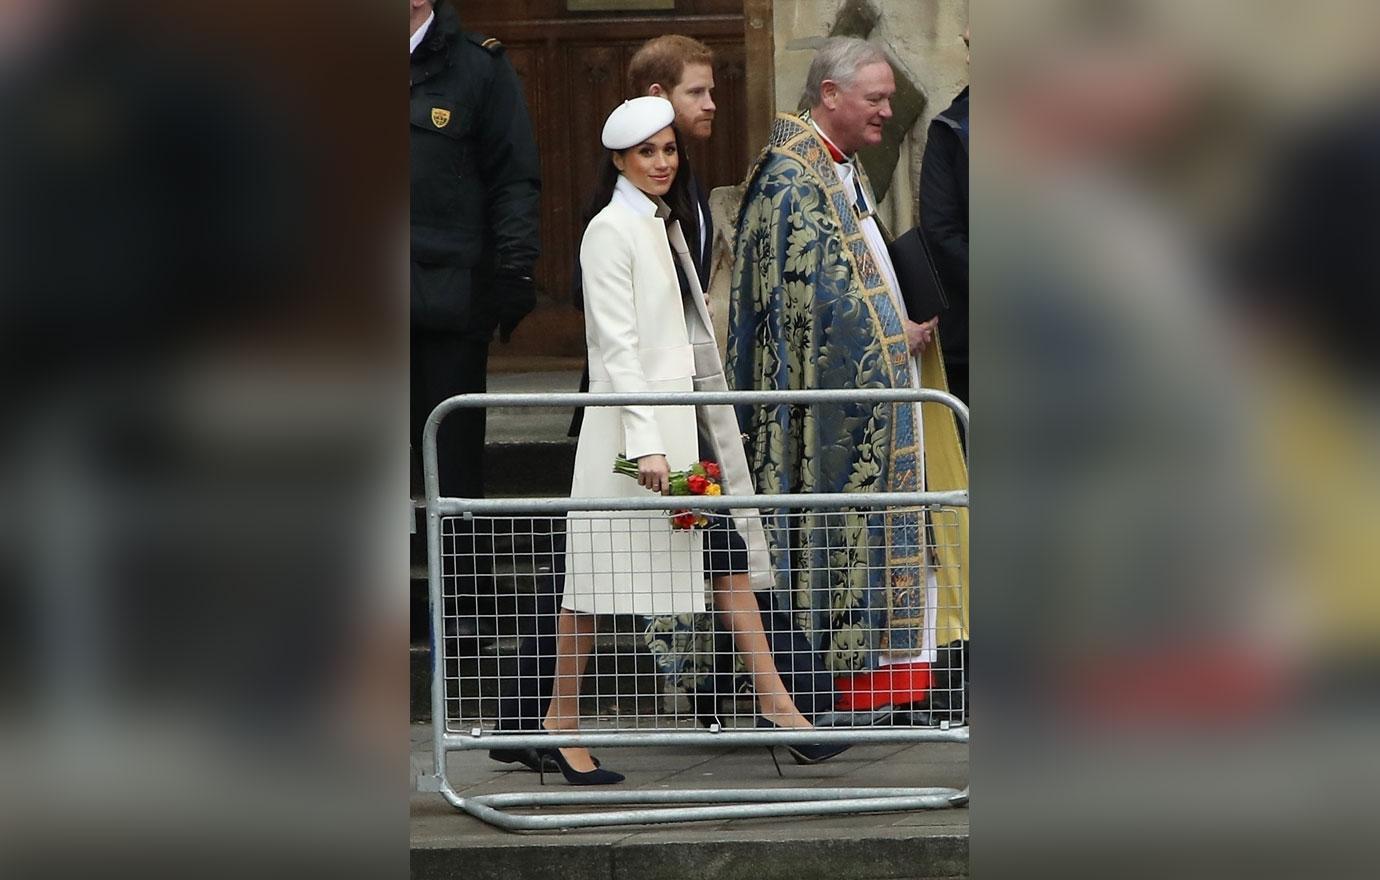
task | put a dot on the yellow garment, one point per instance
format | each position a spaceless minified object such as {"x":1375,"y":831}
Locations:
{"x":1320,"y":446}
{"x":946,"y":470}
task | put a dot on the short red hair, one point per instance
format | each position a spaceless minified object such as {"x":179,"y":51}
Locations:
{"x":663,"y":60}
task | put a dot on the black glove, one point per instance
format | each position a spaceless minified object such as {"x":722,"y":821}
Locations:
{"x":513,"y":295}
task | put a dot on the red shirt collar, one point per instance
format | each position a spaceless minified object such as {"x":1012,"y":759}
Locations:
{"x":834,"y":152}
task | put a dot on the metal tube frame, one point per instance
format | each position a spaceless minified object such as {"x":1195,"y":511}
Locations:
{"x":663,"y":806}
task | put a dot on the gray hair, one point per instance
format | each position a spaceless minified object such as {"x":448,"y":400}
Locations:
{"x":839,"y":59}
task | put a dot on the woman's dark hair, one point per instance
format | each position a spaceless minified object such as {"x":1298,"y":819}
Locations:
{"x":683,"y":208}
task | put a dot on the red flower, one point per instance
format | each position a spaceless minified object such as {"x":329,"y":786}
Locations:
{"x":711,"y":469}
{"x":697,"y":484}
{"x":683,"y":520}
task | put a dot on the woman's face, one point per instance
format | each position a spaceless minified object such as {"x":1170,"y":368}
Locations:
{"x":651,"y":165}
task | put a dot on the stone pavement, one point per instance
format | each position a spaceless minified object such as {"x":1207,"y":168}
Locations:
{"x":895,"y":846}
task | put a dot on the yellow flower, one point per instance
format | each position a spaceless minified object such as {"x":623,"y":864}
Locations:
{"x":713,"y":489}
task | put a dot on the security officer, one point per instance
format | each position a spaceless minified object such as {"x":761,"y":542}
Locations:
{"x":476,"y":189}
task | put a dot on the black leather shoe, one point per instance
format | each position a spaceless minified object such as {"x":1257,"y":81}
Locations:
{"x":707,"y":712}
{"x":528,"y":758}
{"x":810,"y":753}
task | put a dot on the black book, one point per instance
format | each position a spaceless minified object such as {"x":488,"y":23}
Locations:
{"x":920,"y":286}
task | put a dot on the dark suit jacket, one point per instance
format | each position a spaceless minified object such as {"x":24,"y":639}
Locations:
{"x":944,"y":219}
{"x":692,"y":235}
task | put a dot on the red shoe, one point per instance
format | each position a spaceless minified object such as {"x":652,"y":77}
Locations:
{"x":899,"y":684}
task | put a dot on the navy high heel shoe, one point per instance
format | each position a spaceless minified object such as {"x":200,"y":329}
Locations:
{"x":810,"y":753}
{"x":597,"y":776}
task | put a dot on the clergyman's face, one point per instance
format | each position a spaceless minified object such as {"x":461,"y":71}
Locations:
{"x":694,"y":102}
{"x":860,"y":110}
{"x":651,"y":165}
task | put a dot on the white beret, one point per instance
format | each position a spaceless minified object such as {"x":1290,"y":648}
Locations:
{"x":632,"y":122}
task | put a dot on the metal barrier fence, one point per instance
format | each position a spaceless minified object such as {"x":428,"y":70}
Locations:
{"x":873,"y":584}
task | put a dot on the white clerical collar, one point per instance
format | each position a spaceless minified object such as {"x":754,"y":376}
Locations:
{"x":421,"y":33}
{"x":626,"y":193}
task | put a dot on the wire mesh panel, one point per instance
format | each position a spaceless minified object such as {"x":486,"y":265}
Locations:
{"x":854,"y":617}
{"x":813,"y":621}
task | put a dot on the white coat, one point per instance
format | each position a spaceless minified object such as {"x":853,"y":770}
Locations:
{"x":643,"y":335}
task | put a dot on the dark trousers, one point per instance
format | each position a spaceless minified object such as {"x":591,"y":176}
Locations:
{"x":525,"y":695}
{"x":443,"y":365}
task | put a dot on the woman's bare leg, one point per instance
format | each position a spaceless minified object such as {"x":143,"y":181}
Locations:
{"x":737,"y":605}
{"x":574,"y":642}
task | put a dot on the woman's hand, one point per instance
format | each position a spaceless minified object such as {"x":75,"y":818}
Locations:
{"x":654,"y":473}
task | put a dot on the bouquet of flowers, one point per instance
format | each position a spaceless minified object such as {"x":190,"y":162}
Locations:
{"x":701,"y":478}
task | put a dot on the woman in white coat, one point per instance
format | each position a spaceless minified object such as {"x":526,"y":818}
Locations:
{"x":646,"y":324}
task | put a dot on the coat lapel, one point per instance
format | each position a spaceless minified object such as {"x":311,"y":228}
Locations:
{"x":719,"y":423}
{"x":681,"y":251}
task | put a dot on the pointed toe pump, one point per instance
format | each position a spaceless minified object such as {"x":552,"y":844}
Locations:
{"x":809,"y":753}
{"x":597,"y":776}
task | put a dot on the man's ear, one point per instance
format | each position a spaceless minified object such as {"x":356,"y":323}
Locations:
{"x":829,"y":93}
{"x":656,"y":90}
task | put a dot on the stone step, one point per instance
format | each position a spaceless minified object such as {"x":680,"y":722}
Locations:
{"x":505,"y":534}
{"x":730,"y":852}
{"x":522,"y":424}
{"x":528,"y":451}
{"x":531,"y":468}
{"x":520,"y":566}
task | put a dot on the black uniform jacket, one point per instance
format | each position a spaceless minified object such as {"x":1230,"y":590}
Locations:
{"x":476,"y":179}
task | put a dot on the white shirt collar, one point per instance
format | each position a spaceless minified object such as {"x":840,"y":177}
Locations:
{"x":627,"y":194}
{"x":421,"y":33}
